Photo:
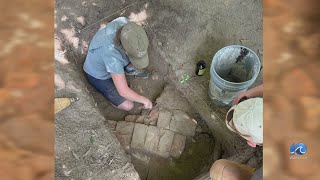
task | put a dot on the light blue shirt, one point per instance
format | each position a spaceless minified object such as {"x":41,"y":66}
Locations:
{"x":104,"y":57}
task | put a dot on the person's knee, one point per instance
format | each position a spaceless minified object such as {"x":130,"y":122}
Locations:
{"x":226,"y":169}
{"x":217,"y":169}
{"x":129,"y":106}
{"x":126,"y":105}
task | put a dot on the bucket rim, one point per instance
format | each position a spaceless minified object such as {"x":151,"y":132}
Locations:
{"x":245,"y":82}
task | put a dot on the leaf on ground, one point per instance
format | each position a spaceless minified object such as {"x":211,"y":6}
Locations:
{"x":92,"y":139}
{"x":75,"y":155}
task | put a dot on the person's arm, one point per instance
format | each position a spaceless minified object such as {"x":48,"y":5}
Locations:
{"x":256,"y":91}
{"x":251,"y":93}
{"x":121,"y":84}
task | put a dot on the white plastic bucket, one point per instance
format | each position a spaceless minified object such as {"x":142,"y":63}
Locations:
{"x":233,"y":70}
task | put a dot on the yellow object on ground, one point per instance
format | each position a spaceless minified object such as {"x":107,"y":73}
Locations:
{"x":62,"y":103}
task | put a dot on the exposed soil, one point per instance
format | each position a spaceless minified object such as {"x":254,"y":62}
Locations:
{"x":179,"y":33}
{"x":195,"y":159}
{"x":237,"y":74}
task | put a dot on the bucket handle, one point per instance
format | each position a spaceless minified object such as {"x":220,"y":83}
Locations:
{"x":229,"y":119}
{"x":230,"y":124}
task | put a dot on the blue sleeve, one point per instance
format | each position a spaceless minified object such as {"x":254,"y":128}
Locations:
{"x":113,"y":63}
{"x":122,"y":20}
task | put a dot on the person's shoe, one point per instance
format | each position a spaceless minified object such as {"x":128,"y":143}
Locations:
{"x":137,"y":73}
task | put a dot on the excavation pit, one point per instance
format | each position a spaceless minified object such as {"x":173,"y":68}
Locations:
{"x":180,"y":35}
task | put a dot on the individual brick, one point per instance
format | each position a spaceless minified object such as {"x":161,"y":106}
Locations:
{"x":152,"y":118}
{"x":139,"y":136}
{"x":131,"y":118}
{"x":165,"y":143}
{"x":182,"y":123}
{"x":178,"y":144}
{"x":124,"y":132}
{"x":140,"y":119}
{"x":164,"y":119}
{"x":152,"y":139}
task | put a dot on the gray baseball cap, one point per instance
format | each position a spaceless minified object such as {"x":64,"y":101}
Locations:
{"x":135,"y":41}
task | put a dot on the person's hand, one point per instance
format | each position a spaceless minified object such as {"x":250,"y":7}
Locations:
{"x":147,"y":104}
{"x":252,"y":144}
{"x":240,"y":97}
{"x":251,"y":93}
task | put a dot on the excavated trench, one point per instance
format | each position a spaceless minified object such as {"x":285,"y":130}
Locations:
{"x":199,"y":150}
{"x":198,"y":153}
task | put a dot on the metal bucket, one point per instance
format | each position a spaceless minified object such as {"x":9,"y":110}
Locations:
{"x":233,"y":70}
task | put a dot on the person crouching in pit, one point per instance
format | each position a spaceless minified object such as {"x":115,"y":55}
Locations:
{"x":117,"y":50}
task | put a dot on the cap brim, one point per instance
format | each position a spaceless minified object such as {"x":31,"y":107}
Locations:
{"x":140,"y":63}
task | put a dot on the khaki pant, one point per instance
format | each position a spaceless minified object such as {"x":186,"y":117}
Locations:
{"x":228,"y":170}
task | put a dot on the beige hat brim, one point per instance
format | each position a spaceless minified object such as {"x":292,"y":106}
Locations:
{"x":246,"y":119}
{"x":140,"y":63}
